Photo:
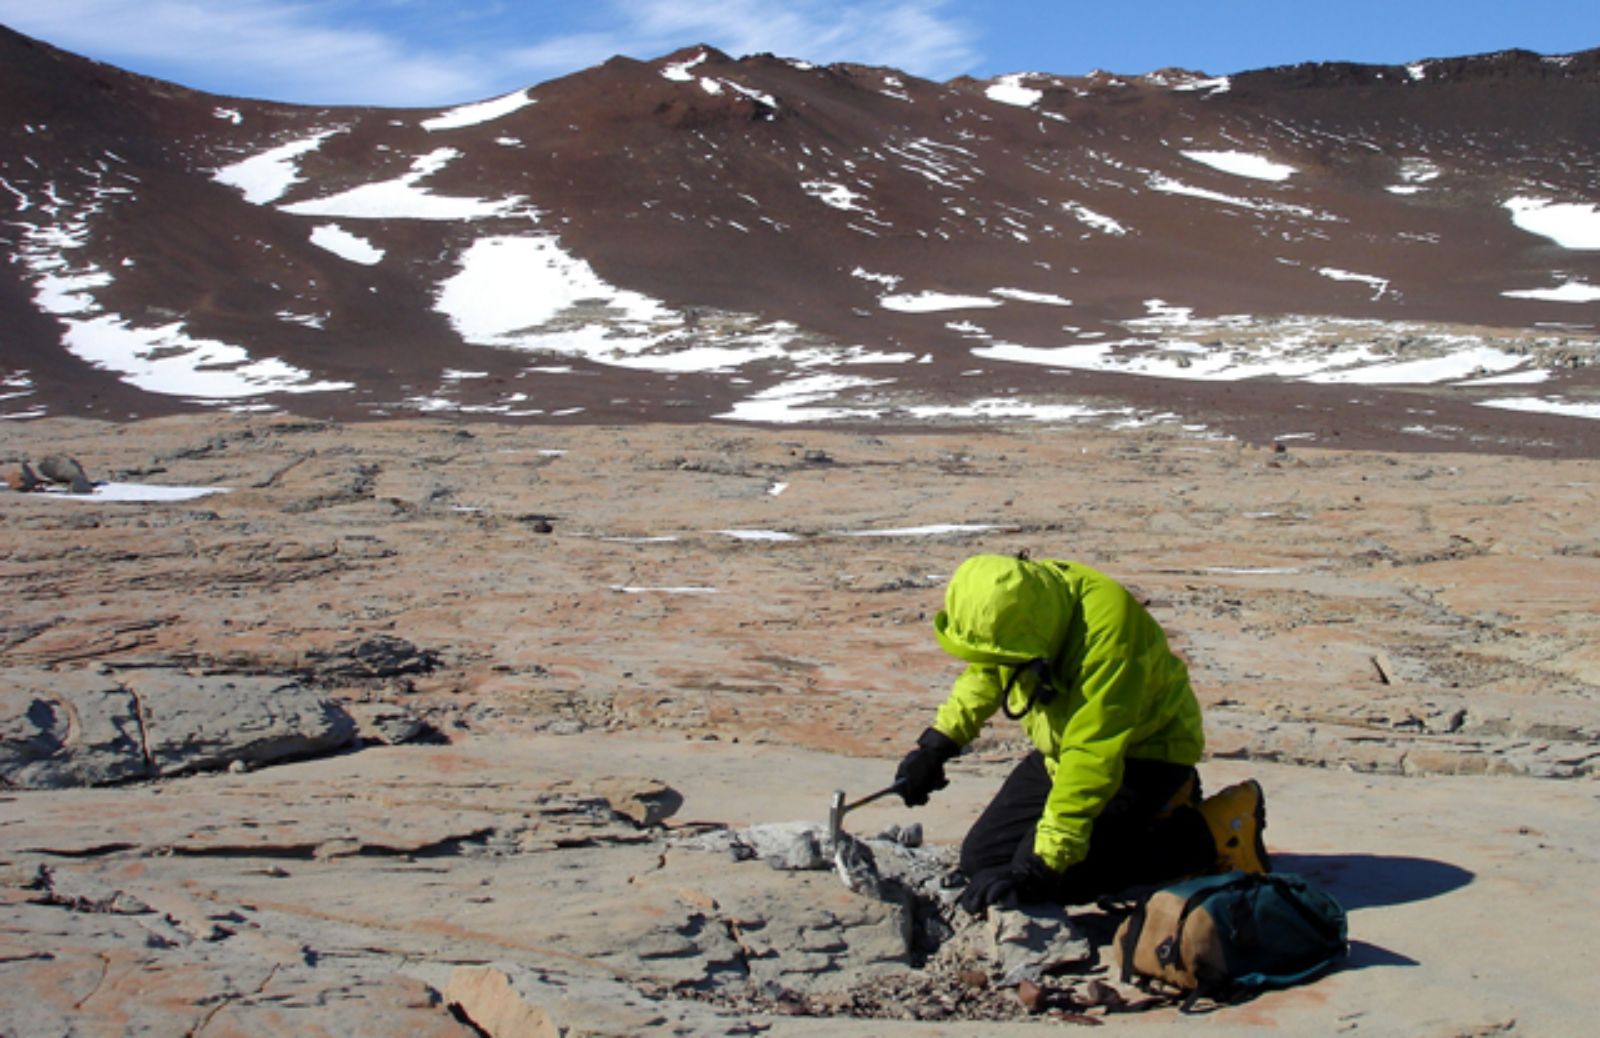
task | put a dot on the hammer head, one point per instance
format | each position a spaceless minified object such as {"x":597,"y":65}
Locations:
{"x":835,"y":815}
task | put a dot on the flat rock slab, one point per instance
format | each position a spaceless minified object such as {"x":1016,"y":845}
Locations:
{"x":83,"y":728}
{"x":508,"y":1000}
{"x":600,"y":927}
{"x":1381,"y":619}
{"x":117,"y":977}
{"x":72,"y":728}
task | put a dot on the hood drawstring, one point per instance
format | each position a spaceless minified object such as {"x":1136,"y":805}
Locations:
{"x":1043,"y":689}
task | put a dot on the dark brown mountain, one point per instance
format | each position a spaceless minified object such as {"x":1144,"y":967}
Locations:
{"x":1354,"y":254}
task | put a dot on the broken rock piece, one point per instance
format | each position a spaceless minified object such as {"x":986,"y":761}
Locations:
{"x":1034,"y":941}
{"x":789,"y":846}
{"x":385,"y":723}
{"x":857,"y":866}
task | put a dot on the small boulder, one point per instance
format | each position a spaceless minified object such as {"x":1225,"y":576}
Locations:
{"x":206,"y":722}
{"x":59,"y":468}
{"x":644,"y":802}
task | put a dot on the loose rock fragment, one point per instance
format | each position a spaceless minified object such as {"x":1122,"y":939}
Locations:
{"x":1035,"y":940}
{"x":24,"y":479}
{"x":856,"y":865}
{"x":377,"y":656}
{"x":58,"y":468}
{"x":385,"y":723}
{"x":644,"y":802}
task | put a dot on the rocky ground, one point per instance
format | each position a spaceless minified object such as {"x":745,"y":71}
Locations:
{"x":437,"y":728}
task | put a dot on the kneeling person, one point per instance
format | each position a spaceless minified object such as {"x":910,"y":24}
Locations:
{"x":1110,"y":797}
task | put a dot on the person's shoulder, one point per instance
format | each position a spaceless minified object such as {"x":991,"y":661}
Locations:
{"x":1083,"y":574}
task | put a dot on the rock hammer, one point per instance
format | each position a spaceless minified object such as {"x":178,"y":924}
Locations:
{"x":837,"y":808}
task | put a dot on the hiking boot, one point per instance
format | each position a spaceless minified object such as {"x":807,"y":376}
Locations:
{"x":1186,"y":795}
{"x":1236,"y":816}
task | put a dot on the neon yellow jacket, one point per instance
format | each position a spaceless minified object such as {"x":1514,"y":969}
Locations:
{"x":1121,"y":691}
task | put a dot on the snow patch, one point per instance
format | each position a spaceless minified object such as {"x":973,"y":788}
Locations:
{"x":836,"y":195}
{"x":795,"y":401}
{"x":1380,"y":285}
{"x":1571,"y":225}
{"x":759,"y":535}
{"x":1251,"y":570}
{"x":168,"y":361}
{"x":1213,"y":85}
{"x":1242,"y":164}
{"x":266,"y":177}
{"x":478,"y":113}
{"x":1297,"y":350}
{"x":1162,"y":314}
{"x":508,"y":285}
{"x":1084,"y":215}
{"x":139,"y":493}
{"x":163,"y":359}
{"x":997,"y":407}
{"x":1024,"y":296}
{"x":889,"y":281}
{"x":934,"y":302}
{"x":1167,"y":185}
{"x":931,"y":530}
{"x":1008,"y":90}
{"x":1569,"y":292}
{"x":527,"y":293}
{"x":1538,"y":406}
{"x":345,"y":245}
{"x":632,"y":590}
{"x":1419,"y":171}
{"x":1448,"y":367}
{"x":680,"y":73}
{"x":402,"y":199}
{"x":755,"y":95}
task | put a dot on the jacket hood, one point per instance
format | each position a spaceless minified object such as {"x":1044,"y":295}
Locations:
{"x":1003,"y":611}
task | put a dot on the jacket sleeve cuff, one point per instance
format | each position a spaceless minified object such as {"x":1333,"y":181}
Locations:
{"x":1058,"y":853}
{"x":940,"y":743}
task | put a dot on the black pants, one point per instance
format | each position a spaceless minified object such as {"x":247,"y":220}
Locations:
{"x":1140,"y":837}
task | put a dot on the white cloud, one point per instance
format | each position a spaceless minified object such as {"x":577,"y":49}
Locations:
{"x":397,"y":52}
{"x":280,"y":50}
{"x":912,"y":35}
{"x":907,"y":34}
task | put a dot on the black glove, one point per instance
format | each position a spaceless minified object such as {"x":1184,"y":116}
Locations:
{"x":1025,"y":880}
{"x":922,"y":770}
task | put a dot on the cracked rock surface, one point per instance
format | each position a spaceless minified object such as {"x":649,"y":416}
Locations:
{"x":77,"y":728}
{"x":436,"y":730}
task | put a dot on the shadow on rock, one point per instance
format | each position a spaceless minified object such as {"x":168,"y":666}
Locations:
{"x":1366,"y":956}
{"x":1376,"y":880}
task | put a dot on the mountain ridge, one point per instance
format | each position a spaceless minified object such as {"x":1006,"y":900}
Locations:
{"x":711,"y":235}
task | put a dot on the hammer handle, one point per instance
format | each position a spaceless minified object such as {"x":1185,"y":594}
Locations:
{"x":899,"y":784}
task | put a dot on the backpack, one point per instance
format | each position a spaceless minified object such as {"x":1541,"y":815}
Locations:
{"x":1231,"y":936}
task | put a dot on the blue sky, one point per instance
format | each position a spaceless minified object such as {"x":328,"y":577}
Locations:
{"x":439,"y":52}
